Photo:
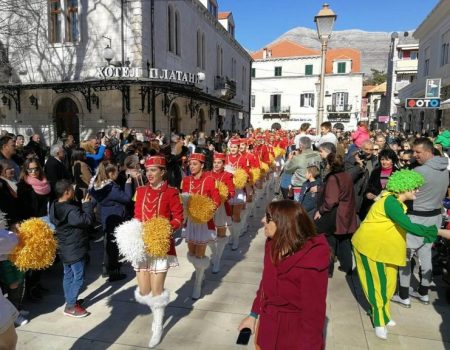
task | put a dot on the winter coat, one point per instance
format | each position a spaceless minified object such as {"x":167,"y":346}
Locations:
{"x":374,"y":187}
{"x":307,"y":198}
{"x":360,"y":135}
{"x":291,"y":299}
{"x":443,"y":139}
{"x":94,"y":159}
{"x":9,"y":203}
{"x":55,"y":170}
{"x":338,"y":194}
{"x":71,"y":229}
{"x":31,"y":203}
{"x":298,"y":164}
{"x":113,"y":202}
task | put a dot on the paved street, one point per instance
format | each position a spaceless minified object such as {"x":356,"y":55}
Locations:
{"x":118,"y":322}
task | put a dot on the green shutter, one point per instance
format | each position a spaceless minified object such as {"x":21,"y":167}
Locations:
{"x":278,"y":71}
{"x":309,"y":69}
{"x":341,"y":67}
{"x":253,"y":72}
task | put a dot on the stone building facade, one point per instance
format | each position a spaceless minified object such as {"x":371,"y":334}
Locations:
{"x":87,"y":66}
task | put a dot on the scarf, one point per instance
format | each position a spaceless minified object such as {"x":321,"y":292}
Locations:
{"x":39,"y":186}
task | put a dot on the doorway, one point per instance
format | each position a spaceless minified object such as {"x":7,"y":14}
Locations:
{"x":201,"y":120}
{"x":66,"y":119}
{"x":174,"y":121}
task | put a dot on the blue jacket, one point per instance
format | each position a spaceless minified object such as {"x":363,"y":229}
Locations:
{"x":307,"y":198}
{"x":93,"y":160}
{"x":112,"y":202}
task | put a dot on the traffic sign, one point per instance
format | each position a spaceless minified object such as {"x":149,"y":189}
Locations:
{"x":429,"y":103}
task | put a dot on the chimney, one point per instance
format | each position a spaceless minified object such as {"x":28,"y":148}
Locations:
{"x":265,"y":53}
{"x":269,"y":53}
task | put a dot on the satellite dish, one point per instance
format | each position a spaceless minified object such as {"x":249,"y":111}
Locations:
{"x":405,"y":34}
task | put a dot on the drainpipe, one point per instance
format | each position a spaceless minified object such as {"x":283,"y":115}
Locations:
{"x":250,"y":94}
{"x":152,"y":39}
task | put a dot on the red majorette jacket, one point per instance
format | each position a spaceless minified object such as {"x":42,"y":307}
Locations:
{"x":238,"y":161}
{"x":163,"y":201}
{"x":227,"y":179}
{"x":205,"y":185}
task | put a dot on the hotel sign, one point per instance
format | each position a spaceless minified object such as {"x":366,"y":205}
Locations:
{"x":153,"y":73}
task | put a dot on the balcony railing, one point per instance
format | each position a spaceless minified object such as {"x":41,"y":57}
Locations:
{"x":339,"y":108}
{"x":226,"y":86}
{"x":277,"y":109}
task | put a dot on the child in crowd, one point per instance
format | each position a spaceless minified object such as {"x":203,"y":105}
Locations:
{"x":72,"y":224}
{"x":308,"y":193}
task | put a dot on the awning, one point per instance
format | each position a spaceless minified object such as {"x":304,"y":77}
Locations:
{"x":445,"y":104}
{"x":87,"y":87}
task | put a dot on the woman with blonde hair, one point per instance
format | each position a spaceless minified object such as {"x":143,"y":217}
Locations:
{"x":113,"y":202}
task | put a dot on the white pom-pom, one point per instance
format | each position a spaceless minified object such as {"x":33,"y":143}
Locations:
{"x":129,"y":241}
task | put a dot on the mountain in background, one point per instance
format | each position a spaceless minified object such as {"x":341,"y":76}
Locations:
{"x":374,"y":46}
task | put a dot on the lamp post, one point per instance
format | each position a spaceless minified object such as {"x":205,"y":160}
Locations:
{"x":324,"y":21}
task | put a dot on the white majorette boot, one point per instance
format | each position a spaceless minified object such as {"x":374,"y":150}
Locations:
{"x":221,"y":243}
{"x":213,"y":246}
{"x":200,"y":264}
{"x":243,"y":223}
{"x":158,"y":305}
{"x":236,"y":230}
{"x":141,"y":299}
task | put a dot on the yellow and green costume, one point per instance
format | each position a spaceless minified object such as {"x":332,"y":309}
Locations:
{"x":380,"y":247}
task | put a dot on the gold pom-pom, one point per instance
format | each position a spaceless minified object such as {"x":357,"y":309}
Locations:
{"x":240,"y":178}
{"x":37,"y":246}
{"x":201,"y":209}
{"x":156,"y":236}
{"x":264,"y":167}
{"x":256,"y":175}
{"x":271,"y":159}
{"x":279,"y":152}
{"x":223,"y":191}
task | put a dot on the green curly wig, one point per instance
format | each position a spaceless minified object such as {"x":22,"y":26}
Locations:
{"x":404,"y":180}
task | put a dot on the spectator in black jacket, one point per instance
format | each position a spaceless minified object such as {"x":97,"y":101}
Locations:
{"x":55,"y":169}
{"x":71,"y":224}
{"x":35,"y":145}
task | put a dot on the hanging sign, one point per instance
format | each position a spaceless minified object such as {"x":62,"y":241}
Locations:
{"x":430,"y":103}
{"x":152,"y":73}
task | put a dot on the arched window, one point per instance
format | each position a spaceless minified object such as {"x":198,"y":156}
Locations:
{"x":170,"y":37}
{"x":203,"y":51}
{"x":177,"y":34}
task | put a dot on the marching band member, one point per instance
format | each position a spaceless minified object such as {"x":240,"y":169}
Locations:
{"x":156,"y":199}
{"x":196,"y":232}
{"x":222,"y":218}
{"x":234,"y":162}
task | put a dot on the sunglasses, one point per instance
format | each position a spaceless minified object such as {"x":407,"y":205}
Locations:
{"x":376,"y":149}
{"x":33,"y":170}
{"x":268,"y":218}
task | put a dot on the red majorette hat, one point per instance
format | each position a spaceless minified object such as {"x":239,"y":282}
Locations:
{"x":158,"y":161}
{"x":219,"y":156}
{"x":197,"y":156}
{"x":235,"y":142}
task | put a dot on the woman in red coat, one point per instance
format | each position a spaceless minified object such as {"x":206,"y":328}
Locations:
{"x":157,"y":198}
{"x":290,"y":304}
{"x":336,"y":214}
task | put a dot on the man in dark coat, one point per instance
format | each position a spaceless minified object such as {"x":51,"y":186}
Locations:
{"x":35,"y":145}
{"x":55,"y":169}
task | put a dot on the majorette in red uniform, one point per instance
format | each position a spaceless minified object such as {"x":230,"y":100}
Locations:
{"x":199,"y":235}
{"x":222,"y":218}
{"x":235,"y":160}
{"x":157,"y":198}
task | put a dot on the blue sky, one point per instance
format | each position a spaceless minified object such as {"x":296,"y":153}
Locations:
{"x":259,"y":22}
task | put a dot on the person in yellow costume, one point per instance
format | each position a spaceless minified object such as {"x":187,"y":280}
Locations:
{"x":379,"y":244}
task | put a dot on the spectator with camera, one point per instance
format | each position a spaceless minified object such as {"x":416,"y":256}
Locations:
{"x":360,"y":166}
{"x":298,"y":162}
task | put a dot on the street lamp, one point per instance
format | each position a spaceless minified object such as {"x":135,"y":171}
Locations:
{"x":324,"y":21}
{"x":108,"y":53}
